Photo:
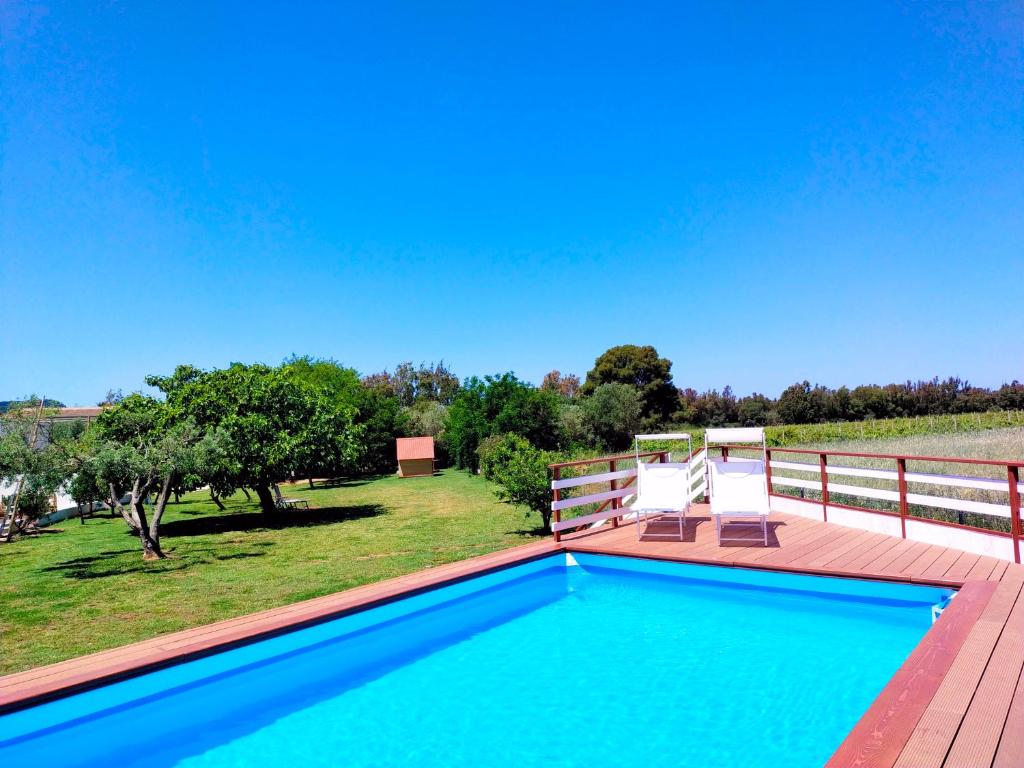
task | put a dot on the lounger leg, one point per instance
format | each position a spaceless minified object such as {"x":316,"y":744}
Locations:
{"x":718,"y":528}
{"x":764,"y":529}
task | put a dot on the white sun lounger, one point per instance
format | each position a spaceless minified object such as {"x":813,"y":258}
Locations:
{"x":286,"y":503}
{"x":663,"y":490}
{"x":738,"y":486}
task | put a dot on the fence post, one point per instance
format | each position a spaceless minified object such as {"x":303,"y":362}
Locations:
{"x":614,"y":485}
{"x":1013,"y":477}
{"x":768,"y":469}
{"x":557,"y":496}
{"x":725,"y":452}
{"x":823,"y":468}
{"x":901,"y":477}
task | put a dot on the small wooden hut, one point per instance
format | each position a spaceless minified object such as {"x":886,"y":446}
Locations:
{"x":415,"y":456}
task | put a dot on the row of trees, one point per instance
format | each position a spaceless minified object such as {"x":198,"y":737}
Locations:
{"x":250,"y":426}
{"x":243,"y":427}
{"x":802,"y":403}
{"x":511,"y":431}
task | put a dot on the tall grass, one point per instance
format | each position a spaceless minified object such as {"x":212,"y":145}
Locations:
{"x":888,"y":429}
{"x":993,"y":435}
{"x":996,"y":444}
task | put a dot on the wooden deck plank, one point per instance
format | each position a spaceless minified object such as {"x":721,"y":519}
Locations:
{"x":787,"y":555}
{"x":878,"y":738}
{"x":841,"y":543}
{"x":933,"y":553}
{"x":906,"y":557}
{"x":826,"y":557}
{"x":931,"y":739}
{"x":1010,"y":752}
{"x":859,"y":561}
{"x":959,"y":569}
{"x":999,"y":570}
{"x":978,"y":738}
{"x":938,"y":569}
{"x":982,"y":569}
{"x":789,"y":540}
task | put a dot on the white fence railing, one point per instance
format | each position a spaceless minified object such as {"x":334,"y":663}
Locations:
{"x":621,"y":483}
{"x":996,"y":498}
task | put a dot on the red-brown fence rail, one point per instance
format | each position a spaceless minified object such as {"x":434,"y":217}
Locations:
{"x":896,"y":494}
{"x":992,"y":500}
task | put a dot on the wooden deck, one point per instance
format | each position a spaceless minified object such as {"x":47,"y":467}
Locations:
{"x":805,"y":546}
{"x":958,"y":701}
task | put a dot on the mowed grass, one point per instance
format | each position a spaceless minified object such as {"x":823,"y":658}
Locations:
{"x":85,"y":588}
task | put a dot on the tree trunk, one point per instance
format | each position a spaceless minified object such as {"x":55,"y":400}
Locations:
{"x":127,"y":513}
{"x":310,"y":478}
{"x":247,"y":496}
{"x":150,"y":548}
{"x":266,"y":498}
{"x":158,"y":513}
{"x":216,"y":500}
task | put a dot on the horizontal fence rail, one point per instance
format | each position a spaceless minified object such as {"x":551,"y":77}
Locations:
{"x":904,"y":498}
{"x":994,"y":498}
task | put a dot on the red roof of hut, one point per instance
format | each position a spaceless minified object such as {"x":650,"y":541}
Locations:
{"x":415,"y":448}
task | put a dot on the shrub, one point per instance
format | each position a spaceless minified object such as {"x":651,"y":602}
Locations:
{"x":520,"y":472}
{"x":490,"y":452}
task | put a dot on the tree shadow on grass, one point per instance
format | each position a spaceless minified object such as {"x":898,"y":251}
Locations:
{"x":101,"y":566}
{"x":538,"y":530}
{"x":258,"y":521}
{"x":125,"y":562}
{"x":340,"y":482}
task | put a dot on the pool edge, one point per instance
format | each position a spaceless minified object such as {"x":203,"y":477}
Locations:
{"x":884,"y":729}
{"x":35,"y":686}
{"x":22,"y":690}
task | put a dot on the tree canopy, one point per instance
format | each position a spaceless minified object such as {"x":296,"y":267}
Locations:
{"x":276,"y":424}
{"x":613,"y":415}
{"x":142,"y":446}
{"x":497,"y":405}
{"x":644,"y":370}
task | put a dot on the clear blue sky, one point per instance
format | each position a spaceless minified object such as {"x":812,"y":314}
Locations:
{"x":766,"y":194}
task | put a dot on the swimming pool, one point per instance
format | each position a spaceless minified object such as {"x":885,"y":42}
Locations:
{"x":570,"y":660}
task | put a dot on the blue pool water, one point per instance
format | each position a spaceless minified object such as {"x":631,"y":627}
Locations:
{"x":599,"y":662}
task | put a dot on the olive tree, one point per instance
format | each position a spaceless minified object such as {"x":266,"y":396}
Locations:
{"x":28,"y":464}
{"x":143,"y":447}
{"x":274,"y":424}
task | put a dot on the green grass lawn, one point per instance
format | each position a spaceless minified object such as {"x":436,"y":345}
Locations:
{"x":86,"y":588}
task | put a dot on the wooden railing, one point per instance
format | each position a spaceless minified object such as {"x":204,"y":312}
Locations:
{"x":830,"y":464}
{"x":620,"y":483}
{"x":825,"y":467}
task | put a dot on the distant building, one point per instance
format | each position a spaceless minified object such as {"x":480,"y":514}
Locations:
{"x":75,"y":413}
{"x":415,"y":456}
